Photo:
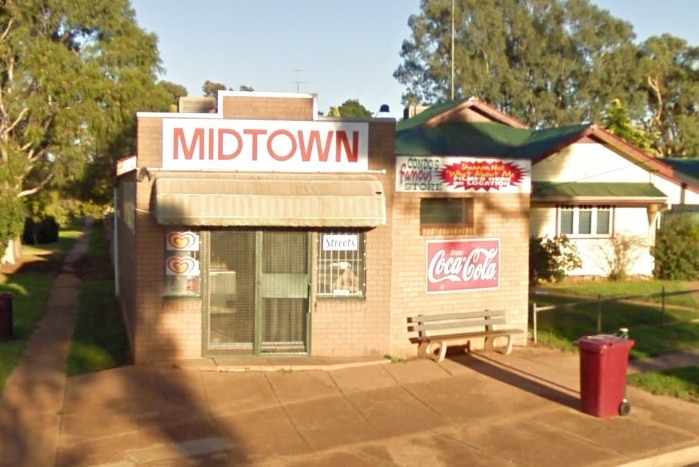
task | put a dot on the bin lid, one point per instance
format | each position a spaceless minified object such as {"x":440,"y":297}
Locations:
{"x":603,"y":341}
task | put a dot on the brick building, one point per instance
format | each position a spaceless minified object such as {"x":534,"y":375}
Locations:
{"x":261,"y":229}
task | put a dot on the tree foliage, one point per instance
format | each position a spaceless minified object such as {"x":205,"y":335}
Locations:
{"x":551,"y":258}
{"x":73,"y":74}
{"x":676,"y":248}
{"x":617,"y":122}
{"x":349,"y":108}
{"x":211,"y":88}
{"x":551,"y":63}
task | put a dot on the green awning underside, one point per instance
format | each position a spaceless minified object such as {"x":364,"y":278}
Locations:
{"x":597,"y":191}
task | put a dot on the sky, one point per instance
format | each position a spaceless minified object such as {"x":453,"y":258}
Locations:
{"x":336,"y":49}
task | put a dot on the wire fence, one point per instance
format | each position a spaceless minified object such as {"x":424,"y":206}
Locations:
{"x":659,"y":299}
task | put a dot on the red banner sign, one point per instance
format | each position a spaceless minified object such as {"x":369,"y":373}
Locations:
{"x":456,"y":265}
{"x":482,"y":175}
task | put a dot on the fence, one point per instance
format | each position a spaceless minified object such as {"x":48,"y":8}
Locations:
{"x":599,"y":301}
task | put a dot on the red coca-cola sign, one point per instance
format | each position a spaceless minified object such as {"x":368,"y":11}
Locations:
{"x":454,"y":265}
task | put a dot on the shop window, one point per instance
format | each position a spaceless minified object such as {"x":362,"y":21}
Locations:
{"x":341,"y":265}
{"x":182,"y":263}
{"x":446,"y":215}
{"x":585,"y":220}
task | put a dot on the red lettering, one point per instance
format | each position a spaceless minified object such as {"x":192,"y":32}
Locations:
{"x":314,"y":142}
{"x":238,"y":141}
{"x":341,"y":140}
{"x":270,"y":147}
{"x":179,"y":141}
{"x":255,"y":134}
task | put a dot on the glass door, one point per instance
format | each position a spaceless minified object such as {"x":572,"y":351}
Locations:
{"x":284,"y":291}
{"x":256,"y":292}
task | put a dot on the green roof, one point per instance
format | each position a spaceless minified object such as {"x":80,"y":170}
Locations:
{"x":489,"y":139}
{"x":426,"y":114}
{"x":595,"y":190}
{"x":687,"y":166}
{"x":549,"y":140}
{"x":459,"y":138}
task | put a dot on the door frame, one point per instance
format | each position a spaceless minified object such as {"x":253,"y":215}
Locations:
{"x":206,"y":350}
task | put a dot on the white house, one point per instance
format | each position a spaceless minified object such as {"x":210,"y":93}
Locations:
{"x":603,"y":193}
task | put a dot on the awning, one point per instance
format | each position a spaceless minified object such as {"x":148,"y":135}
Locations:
{"x":598,"y":192}
{"x":282,"y":200}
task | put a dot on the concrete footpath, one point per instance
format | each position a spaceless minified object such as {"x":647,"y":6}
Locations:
{"x":478,"y":409}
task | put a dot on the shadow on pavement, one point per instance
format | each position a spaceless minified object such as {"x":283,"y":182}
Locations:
{"x":521,"y":379}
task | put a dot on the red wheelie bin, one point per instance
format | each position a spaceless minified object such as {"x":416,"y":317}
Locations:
{"x":604,"y":362}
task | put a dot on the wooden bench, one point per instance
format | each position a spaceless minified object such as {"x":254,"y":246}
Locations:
{"x":461,"y":327}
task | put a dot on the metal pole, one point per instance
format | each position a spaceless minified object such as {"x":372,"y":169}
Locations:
{"x":452,"y":49}
{"x":535,"y":324}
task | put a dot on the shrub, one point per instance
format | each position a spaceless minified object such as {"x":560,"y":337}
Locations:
{"x":551,"y":258}
{"x":676,"y":248}
{"x":621,"y":253}
{"x":37,"y":233}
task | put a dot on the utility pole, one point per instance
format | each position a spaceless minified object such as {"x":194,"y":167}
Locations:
{"x":452,"y":49}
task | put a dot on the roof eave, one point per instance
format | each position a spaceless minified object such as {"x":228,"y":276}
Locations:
{"x":644,"y":200}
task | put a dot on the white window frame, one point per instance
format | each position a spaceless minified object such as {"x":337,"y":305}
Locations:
{"x":595,"y":210}
{"x":341,"y":265}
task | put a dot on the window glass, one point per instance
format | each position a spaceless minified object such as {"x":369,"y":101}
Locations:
{"x":446,"y":211}
{"x":341,"y":265}
{"x":603,"y":216}
{"x":585,"y":221}
{"x":567,"y":221}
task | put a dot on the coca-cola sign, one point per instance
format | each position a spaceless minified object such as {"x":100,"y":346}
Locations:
{"x":455,"y":265}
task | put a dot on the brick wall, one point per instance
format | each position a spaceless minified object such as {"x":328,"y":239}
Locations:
{"x":362,"y":327}
{"x":503,"y":216}
{"x":269,"y":108}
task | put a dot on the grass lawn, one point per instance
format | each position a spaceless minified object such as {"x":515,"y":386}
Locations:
{"x":682,"y":383}
{"x":99,"y":337}
{"x":30,"y":285}
{"x":656,"y":330}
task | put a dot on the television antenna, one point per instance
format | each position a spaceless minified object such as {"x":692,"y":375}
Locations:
{"x":298,"y":79}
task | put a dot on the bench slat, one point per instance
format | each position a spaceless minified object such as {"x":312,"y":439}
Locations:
{"x":460,"y":324}
{"x":452,"y":316}
{"x":464,"y":335}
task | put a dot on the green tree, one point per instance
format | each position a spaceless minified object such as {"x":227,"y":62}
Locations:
{"x":618,"y":122}
{"x":174,"y":91}
{"x":542,"y":61}
{"x":211,"y":89}
{"x":349,"y":108}
{"x":73,"y":74}
{"x":670,"y":71}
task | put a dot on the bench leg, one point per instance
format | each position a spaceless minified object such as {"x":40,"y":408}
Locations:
{"x":442,"y":351}
{"x":508,"y":349}
{"x":422,"y":349}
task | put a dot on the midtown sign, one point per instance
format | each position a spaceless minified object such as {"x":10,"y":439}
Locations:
{"x":269,"y":146}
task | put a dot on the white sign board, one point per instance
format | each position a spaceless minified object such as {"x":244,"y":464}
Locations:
{"x":265,"y":145}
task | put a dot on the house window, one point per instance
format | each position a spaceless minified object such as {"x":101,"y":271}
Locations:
{"x":585,"y":220}
{"x":446,"y":215}
{"x":341,"y":265}
{"x":182,"y":263}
